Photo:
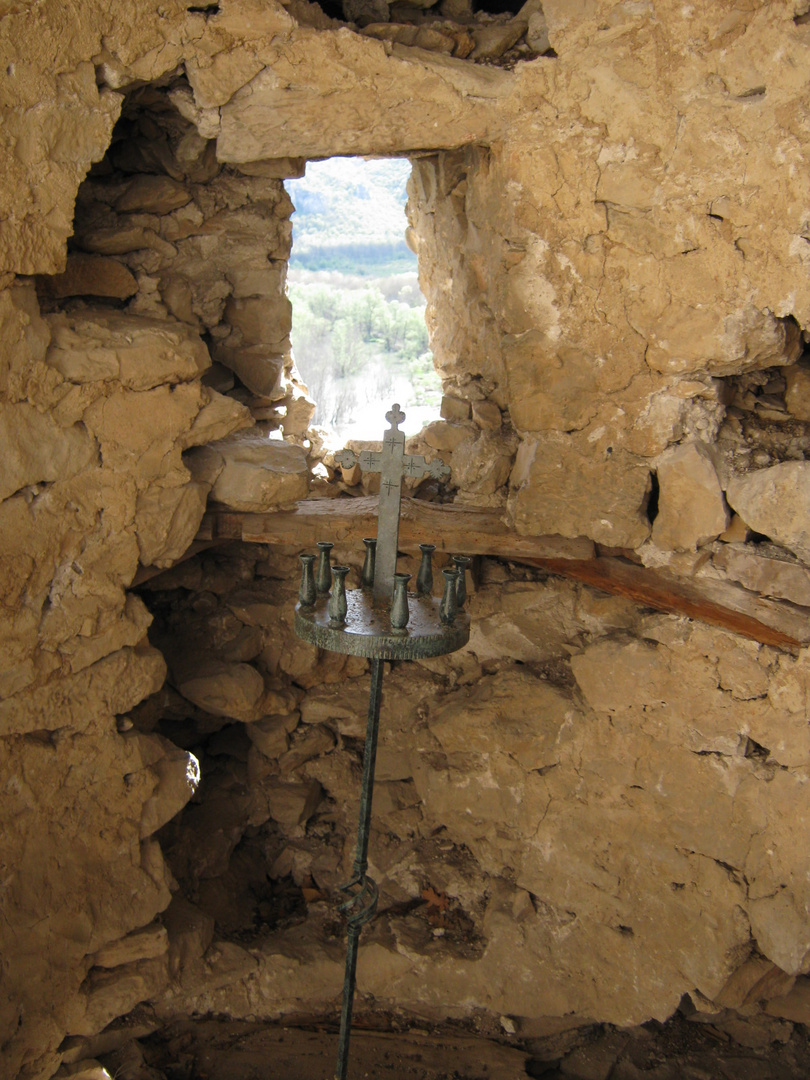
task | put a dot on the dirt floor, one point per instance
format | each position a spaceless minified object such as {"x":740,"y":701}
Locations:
{"x":678,"y":1050}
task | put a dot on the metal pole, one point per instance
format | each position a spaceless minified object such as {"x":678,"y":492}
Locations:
{"x":362,"y":890}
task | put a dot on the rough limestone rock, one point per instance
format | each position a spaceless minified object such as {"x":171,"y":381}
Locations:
{"x":113,"y":629}
{"x":292,"y":804}
{"x":257,"y":321}
{"x":769,"y":572}
{"x":464,"y":722}
{"x":24,"y":336}
{"x":487,"y":415}
{"x":300,"y":411}
{"x":493,"y":41}
{"x":257,"y":473}
{"x":691,"y":508}
{"x":144,"y":944}
{"x":502,"y":781}
{"x":107,"y":994}
{"x":97,"y":405}
{"x":754,"y":980}
{"x":254,"y":349}
{"x":431,"y":103}
{"x":776,"y":502}
{"x":118,"y":681}
{"x":152,"y":195}
{"x":81,"y":118}
{"x":566,"y":486}
{"x":55,"y":821}
{"x":442,"y":435}
{"x":190,"y":933}
{"x":260,"y":372}
{"x":271,"y":734}
{"x":90,"y":275}
{"x":138,"y":353}
{"x":176,"y":777}
{"x":779,"y":894}
{"x":243,"y":35}
{"x":797,"y":395}
{"x":167,"y":520}
{"x":306,"y":745}
{"x":537,"y":32}
{"x":453,"y":408}
{"x":234,"y":690}
{"x":146,"y":429}
{"x":672,"y":725}
{"x":747,"y":340}
{"x":37,"y":450}
{"x":658,"y":675}
{"x":794,"y":1005}
{"x":218,"y":417}
{"x":481,"y":465}
{"x":530,"y":625}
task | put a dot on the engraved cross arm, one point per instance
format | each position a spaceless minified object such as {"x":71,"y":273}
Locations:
{"x":412,"y":465}
{"x":369,"y":460}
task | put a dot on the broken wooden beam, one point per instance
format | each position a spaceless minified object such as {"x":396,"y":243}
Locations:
{"x":718,"y":603}
{"x":471,"y":531}
{"x":347,"y":521}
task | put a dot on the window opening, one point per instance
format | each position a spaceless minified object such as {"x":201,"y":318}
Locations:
{"x":359,"y":335}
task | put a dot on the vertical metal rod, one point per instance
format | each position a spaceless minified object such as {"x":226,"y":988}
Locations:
{"x":348,"y":1001}
{"x":362,"y":890}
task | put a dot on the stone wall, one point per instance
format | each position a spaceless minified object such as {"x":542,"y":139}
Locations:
{"x":612,"y":239}
{"x":97,"y":414}
{"x":626,"y":817}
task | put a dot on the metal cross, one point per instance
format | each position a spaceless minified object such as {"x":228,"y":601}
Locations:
{"x":391,"y":463}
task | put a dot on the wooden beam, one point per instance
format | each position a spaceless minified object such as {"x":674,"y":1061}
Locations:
{"x":451,"y":528}
{"x":718,"y":603}
{"x":469,"y":531}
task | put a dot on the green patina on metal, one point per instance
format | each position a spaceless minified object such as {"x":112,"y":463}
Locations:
{"x":367,"y":630}
{"x":392,"y":463}
{"x":381,"y":621}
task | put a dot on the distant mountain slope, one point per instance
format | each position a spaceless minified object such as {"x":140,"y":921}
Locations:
{"x":349,"y":217}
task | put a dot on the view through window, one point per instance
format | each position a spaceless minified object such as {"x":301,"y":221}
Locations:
{"x":359,"y":335}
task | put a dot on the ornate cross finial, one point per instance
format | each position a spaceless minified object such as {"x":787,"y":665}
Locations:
{"x":395,"y":416}
{"x":392,"y":463}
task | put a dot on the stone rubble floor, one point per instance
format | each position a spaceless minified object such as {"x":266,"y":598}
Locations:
{"x":677,"y":1050}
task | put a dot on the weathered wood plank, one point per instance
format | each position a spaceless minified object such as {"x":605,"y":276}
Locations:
{"x":719,"y":603}
{"x":450,"y":528}
{"x":482,"y":532}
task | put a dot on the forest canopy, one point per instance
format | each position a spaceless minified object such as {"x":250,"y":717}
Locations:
{"x":359,"y":334}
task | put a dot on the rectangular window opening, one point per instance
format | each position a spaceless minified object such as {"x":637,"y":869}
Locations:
{"x":359,"y":336}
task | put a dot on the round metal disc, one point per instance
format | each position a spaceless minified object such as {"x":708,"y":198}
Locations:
{"x":367,"y":630}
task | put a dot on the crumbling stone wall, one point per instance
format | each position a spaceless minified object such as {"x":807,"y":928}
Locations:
{"x":95,"y":435}
{"x":115,"y":435}
{"x":533,"y":797}
{"x":612,"y":241}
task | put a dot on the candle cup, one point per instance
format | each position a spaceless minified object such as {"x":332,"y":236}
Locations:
{"x":323,"y":575}
{"x":306,"y":593}
{"x":449,"y":605}
{"x":399,"y":605}
{"x":367,"y":577}
{"x":338,"y":605}
{"x":424,"y":579}
{"x":462,"y":562}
